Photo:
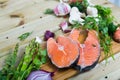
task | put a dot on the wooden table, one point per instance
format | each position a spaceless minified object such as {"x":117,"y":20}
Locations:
{"x":20,"y":16}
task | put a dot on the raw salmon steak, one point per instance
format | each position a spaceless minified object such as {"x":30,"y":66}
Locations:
{"x":89,"y":48}
{"x":63,"y":51}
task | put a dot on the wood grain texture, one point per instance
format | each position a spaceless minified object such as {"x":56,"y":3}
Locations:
{"x":110,"y":71}
{"x":32,"y":14}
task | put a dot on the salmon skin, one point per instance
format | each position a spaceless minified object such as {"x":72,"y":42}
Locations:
{"x":63,"y":51}
{"x":89,"y":49}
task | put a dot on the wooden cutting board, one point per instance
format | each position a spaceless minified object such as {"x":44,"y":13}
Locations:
{"x":18,"y":17}
{"x":62,"y":74}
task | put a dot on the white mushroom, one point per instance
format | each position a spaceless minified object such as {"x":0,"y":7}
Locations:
{"x":92,"y":11}
{"x":62,"y":9}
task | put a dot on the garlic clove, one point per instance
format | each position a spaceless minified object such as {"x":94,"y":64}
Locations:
{"x":75,"y":18}
{"x":75,"y":15}
{"x":92,"y":11}
{"x":62,"y":9}
{"x":74,"y":10}
{"x":63,"y":25}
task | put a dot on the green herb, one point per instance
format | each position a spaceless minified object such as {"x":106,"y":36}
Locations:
{"x":24,"y":36}
{"x":49,"y":11}
{"x":33,"y":58}
{"x":91,"y":23}
{"x":105,"y":12}
{"x":10,"y":65}
{"x":112,"y":28}
{"x":106,"y":28}
{"x":82,"y":6}
{"x":76,"y":24}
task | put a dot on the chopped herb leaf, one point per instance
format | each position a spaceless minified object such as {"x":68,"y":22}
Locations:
{"x":49,"y":11}
{"x":24,"y":36}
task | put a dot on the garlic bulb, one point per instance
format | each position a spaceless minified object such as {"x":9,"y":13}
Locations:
{"x":92,"y":11}
{"x":75,"y":15}
{"x":62,"y":9}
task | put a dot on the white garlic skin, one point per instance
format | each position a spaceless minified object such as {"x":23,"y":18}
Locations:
{"x":75,"y":15}
{"x":64,"y":25}
{"x":62,"y":9}
{"x":92,"y":11}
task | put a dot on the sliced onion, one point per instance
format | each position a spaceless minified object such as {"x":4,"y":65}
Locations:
{"x":48,"y":34}
{"x":40,"y":75}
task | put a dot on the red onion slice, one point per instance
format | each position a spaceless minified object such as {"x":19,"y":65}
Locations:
{"x":40,"y":75}
{"x":48,"y":34}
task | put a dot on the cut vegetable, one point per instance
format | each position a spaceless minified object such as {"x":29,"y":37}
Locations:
{"x":48,"y":34}
{"x":63,"y":52}
{"x":89,"y":49}
{"x":40,"y":75}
